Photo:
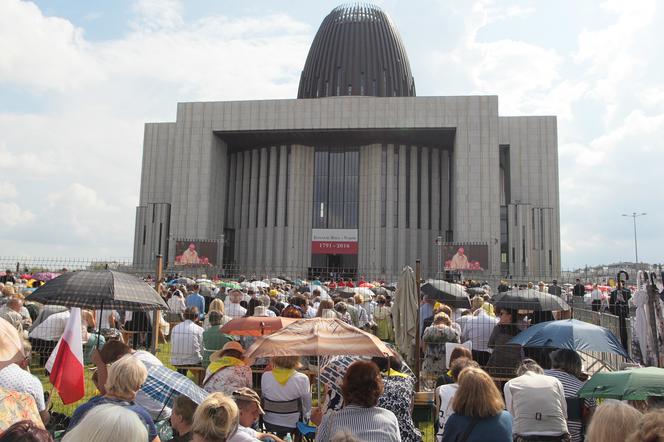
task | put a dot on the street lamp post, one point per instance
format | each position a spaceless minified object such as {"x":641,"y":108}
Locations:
{"x":635,"y":215}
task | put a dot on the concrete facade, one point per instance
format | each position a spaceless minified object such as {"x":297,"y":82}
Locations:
{"x":246,"y":167}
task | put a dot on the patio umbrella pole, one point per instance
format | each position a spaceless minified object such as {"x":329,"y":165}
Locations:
{"x":101,"y":315}
{"x":418,"y":274}
{"x":318,"y":380}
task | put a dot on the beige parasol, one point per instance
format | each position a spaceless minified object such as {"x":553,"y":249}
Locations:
{"x":318,"y":337}
{"x":11,"y":346}
{"x":404,"y":314}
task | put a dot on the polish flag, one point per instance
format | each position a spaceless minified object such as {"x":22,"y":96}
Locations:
{"x":66,"y":362}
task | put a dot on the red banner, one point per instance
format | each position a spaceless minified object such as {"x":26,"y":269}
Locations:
{"x":334,"y":247}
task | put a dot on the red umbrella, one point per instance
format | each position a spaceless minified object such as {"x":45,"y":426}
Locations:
{"x":367,"y":285}
{"x":255,"y":325}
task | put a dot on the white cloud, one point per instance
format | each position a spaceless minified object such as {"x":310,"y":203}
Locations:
{"x":78,"y":160}
{"x":11,"y":214}
{"x":7,"y":190}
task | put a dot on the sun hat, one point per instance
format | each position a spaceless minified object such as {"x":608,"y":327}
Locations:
{"x":232,"y":345}
{"x":248,"y":395}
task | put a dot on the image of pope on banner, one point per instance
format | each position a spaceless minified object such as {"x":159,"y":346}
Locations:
{"x":465,"y":257}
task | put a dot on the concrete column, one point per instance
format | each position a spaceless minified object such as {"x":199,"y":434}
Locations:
{"x":270,"y":239}
{"x":262,"y":210}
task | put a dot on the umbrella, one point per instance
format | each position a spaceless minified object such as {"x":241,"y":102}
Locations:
{"x":529,"y":299}
{"x":571,"y":334}
{"x":367,"y":285}
{"x":365,"y":292}
{"x":163,"y":384}
{"x":380,"y":291}
{"x":636,"y":384}
{"x":278,"y":281}
{"x":11,"y":346}
{"x":98,"y":290}
{"x":255,"y":325}
{"x":475,"y":291}
{"x":17,"y":407}
{"x":448,"y":293}
{"x":344,"y":292}
{"x":204,"y":281}
{"x":333,"y":370}
{"x":230,"y":285}
{"x":46,"y":276}
{"x":318,"y":337}
{"x":185,"y":281}
{"x":261,"y":284}
{"x":404,"y":313}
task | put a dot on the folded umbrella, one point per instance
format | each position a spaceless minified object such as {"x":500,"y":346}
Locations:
{"x":164,"y":384}
{"x":529,"y":299}
{"x":571,"y":334}
{"x":453,"y":295}
{"x":637,"y":384}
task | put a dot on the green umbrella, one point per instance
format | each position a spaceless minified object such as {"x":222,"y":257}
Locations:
{"x":637,"y":384}
{"x":230,"y":285}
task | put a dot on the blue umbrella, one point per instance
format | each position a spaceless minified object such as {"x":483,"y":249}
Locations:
{"x":571,"y":334}
{"x":164,"y":384}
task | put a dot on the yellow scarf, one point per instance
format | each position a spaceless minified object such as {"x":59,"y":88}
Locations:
{"x":392,"y":372}
{"x":223,"y":362}
{"x":282,"y":375}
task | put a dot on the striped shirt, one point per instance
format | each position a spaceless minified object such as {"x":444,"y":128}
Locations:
{"x":571,"y":386}
{"x":368,"y":424}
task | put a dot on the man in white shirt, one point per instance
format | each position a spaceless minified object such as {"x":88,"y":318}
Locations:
{"x":235,"y":310}
{"x":536,"y":402}
{"x":187,"y":341}
{"x":478,"y":328}
{"x":45,"y":336}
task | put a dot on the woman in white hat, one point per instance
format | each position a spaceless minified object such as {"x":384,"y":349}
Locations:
{"x":227,"y":371}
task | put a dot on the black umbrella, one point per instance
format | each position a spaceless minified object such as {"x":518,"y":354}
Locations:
{"x":448,"y":293}
{"x":529,"y":299}
{"x":343,"y":292}
{"x":475,"y":291}
{"x":103,"y":289}
{"x":380,"y":291}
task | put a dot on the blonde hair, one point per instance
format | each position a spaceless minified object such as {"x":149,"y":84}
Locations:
{"x":286,"y":361}
{"x":442,"y":318}
{"x":477,"y":302}
{"x":609,"y":416}
{"x":477,"y":395}
{"x":108,"y":423}
{"x":125,"y":376}
{"x":444,"y":308}
{"x":651,"y":427}
{"x":217,"y":305}
{"x":216,"y":418}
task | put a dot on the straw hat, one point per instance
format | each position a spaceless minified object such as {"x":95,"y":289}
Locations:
{"x":233,"y":345}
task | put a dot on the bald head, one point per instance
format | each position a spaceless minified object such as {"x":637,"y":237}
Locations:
{"x":15,"y":304}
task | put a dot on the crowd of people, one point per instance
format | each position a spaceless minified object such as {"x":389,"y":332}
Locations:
{"x":485,"y":389}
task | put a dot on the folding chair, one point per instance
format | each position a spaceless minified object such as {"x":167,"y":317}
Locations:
{"x":281,"y":407}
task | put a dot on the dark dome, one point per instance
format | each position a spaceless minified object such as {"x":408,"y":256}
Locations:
{"x":357,"y":51}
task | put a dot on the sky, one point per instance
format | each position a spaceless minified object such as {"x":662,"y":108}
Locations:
{"x":78,"y":80}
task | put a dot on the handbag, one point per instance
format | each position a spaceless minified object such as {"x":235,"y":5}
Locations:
{"x":463,"y":437}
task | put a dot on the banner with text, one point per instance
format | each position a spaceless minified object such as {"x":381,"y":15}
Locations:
{"x":334,"y":241}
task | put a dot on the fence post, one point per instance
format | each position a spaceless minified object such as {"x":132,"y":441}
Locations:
{"x":157,"y":314}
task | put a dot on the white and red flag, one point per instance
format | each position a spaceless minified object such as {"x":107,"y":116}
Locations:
{"x":66,"y":362}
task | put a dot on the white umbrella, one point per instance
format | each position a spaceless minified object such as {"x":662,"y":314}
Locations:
{"x":365,"y":292}
{"x":261,"y":284}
